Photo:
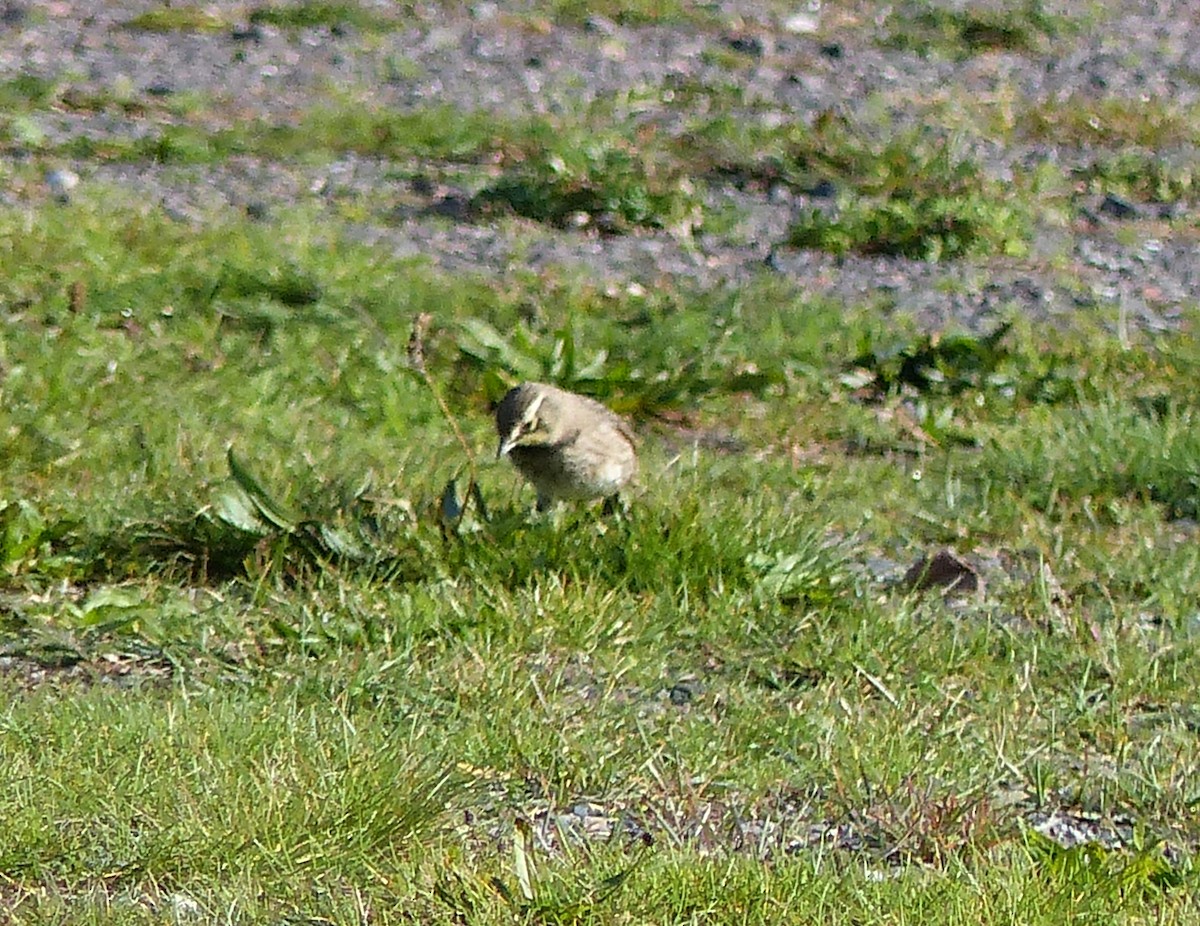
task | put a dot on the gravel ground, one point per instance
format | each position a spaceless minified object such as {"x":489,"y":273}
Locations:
{"x":1126,"y":268}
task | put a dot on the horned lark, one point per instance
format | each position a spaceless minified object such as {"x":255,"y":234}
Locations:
{"x":567,"y":445}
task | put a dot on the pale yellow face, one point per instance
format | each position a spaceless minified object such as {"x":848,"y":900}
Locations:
{"x":530,"y":430}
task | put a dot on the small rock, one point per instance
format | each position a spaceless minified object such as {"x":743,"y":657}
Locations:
{"x":61,"y":182}
{"x":249,"y":32}
{"x":601,"y":25}
{"x":681,"y":694}
{"x":746,"y":44}
{"x":184,"y":907}
{"x":802,"y":23}
{"x":453,"y":206}
{"x":1118,"y":208}
{"x":780,"y":194}
{"x":945,"y":571}
{"x":822,"y":189}
{"x":13,"y":14}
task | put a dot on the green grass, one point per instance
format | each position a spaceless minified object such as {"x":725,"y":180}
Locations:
{"x":935,"y":29}
{"x":632,"y":13}
{"x":565,"y":176}
{"x":905,"y":193}
{"x":293,"y":687}
{"x":1111,"y":122}
{"x":918,"y":201}
{"x":1143,"y":175}
{"x":266,"y":657}
{"x":899,"y":193}
{"x":26,"y":91}
{"x":309,"y":14}
{"x":583,"y":182}
{"x":321,"y":134}
{"x":609,"y":167}
{"x":176,"y":19}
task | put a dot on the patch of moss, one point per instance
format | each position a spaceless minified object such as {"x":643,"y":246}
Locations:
{"x":176,"y":19}
{"x":960,"y":33}
{"x":310,"y":15}
{"x":613,"y":187}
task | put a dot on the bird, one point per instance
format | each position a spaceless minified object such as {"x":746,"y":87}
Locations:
{"x":567,"y":445}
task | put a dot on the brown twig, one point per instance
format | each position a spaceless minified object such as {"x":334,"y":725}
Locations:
{"x":77,"y":297}
{"x":416,"y":360}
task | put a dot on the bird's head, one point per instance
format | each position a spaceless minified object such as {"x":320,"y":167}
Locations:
{"x":524,"y":419}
